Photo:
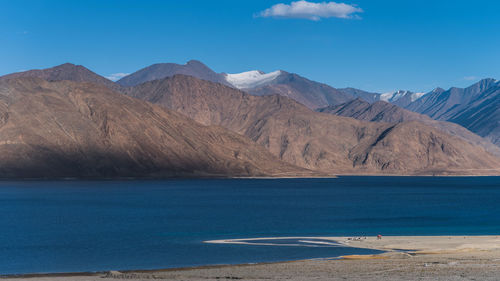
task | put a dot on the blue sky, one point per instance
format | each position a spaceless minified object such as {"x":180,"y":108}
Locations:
{"x":391,"y":44}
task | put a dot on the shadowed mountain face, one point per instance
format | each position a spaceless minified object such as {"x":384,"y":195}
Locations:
{"x":69,"y":129}
{"x":444,"y":105}
{"x":67,"y":71}
{"x":319,"y":141}
{"x":483,"y":115}
{"x":385,"y":112}
{"x":163,"y":70}
{"x":475,"y":107}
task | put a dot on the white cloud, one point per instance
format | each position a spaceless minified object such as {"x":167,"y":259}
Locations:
{"x":116,"y":76}
{"x":312,"y":11}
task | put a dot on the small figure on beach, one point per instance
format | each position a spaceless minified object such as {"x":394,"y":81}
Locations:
{"x":379,"y":237}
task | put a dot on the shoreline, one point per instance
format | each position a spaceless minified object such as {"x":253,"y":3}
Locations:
{"x":132,"y":271}
{"x":222,"y":177}
{"x":393,"y":247}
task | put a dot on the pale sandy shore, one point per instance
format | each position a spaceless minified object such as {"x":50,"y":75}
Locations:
{"x":406,"y":258}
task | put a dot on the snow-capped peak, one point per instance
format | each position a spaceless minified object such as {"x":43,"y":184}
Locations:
{"x":394,"y":96}
{"x":251,"y":79}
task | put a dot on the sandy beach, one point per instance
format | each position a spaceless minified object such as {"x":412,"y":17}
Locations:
{"x":406,"y":258}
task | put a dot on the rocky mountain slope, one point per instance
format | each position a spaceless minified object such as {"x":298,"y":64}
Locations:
{"x":386,"y":112}
{"x":379,"y":111}
{"x":319,"y":141}
{"x":85,"y":130}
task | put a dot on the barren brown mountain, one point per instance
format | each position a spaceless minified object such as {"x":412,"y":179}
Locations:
{"x":382,"y":111}
{"x":324,"y":142}
{"x":67,"y":71}
{"x":70,"y":129}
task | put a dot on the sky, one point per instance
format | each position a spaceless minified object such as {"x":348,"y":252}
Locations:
{"x":375,"y":45}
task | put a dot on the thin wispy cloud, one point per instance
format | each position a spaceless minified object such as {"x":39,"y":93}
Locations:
{"x":471,"y":78}
{"x":116,"y":76}
{"x":312,"y":11}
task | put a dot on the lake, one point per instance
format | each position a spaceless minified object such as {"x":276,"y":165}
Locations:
{"x":78,"y":226}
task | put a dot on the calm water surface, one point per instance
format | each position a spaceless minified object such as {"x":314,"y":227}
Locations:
{"x":72,"y":226}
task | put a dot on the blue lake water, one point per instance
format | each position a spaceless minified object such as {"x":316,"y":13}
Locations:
{"x":75,"y":226}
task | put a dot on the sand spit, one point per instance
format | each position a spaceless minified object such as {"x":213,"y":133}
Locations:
{"x":408,"y":244}
{"x":406,"y":258}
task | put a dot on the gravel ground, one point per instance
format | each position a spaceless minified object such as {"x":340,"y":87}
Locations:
{"x":481,"y":265}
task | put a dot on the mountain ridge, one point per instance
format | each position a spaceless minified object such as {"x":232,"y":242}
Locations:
{"x":382,"y":111}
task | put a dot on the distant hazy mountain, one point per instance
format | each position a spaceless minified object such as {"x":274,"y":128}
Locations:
{"x":85,"y":130}
{"x":67,"y":71}
{"x":385,"y":112}
{"x":364,"y":95}
{"x":318,"y":141}
{"x":483,"y":114}
{"x":443,"y":105}
{"x":162,"y":70}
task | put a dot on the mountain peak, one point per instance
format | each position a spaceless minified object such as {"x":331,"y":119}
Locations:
{"x":438,"y":90}
{"x":195,"y":63}
{"x":67,"y":71}
{"x":482,"y":85}
{"x":67,"y":64}
{"x":163,"y":70}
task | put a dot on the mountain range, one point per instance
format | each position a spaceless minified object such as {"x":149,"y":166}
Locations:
{"x":187,"y":120}
{"x":310,"y":93}
{"x":300,"y":136}
{"x":460,"y":106}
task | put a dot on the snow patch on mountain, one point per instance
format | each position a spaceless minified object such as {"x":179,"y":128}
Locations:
{"x":251,"y":79}
{"x":416,"y":96}
{"x":394,"y":96}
